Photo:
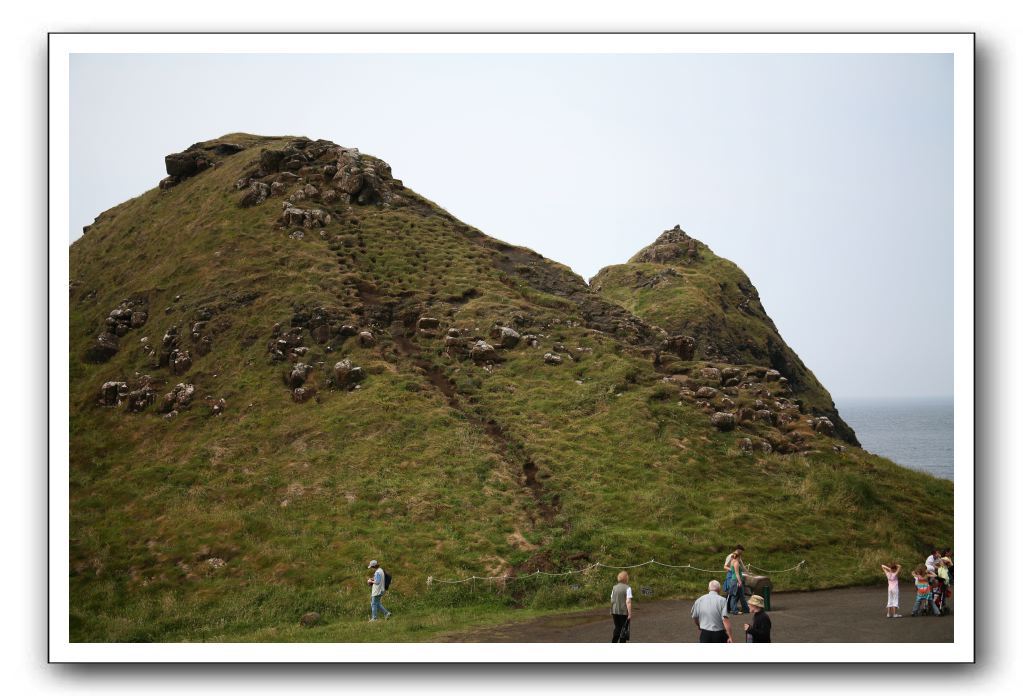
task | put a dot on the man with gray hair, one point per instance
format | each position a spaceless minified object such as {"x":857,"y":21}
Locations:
{"x":710,"y":614}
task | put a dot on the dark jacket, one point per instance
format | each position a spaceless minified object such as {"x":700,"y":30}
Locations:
{"x":760,"y":628}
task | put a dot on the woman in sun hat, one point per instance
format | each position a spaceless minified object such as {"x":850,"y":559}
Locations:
{"x":760,"y":630}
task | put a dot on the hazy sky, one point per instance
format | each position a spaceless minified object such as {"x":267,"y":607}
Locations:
{"x":827,"y":178}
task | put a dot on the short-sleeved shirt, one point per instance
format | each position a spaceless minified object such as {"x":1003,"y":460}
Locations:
{"x":378,"y":582}
{"x":931,"y":563}
{"x":711,"y":610}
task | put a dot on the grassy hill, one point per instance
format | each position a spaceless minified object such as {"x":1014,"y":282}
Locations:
{"x":229,"y":506}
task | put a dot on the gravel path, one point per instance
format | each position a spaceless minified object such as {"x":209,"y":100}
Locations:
{"x":849,"y":615}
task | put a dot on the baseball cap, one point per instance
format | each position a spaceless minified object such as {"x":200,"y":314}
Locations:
{"x":372,"y":564}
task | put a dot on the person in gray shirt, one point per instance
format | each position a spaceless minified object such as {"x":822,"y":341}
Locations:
{"x":710,"y":614}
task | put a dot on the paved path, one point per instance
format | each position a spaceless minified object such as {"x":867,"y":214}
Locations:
{"x":850,"y":615}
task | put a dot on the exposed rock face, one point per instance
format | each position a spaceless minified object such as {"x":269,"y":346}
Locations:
{"x":682,"y":346}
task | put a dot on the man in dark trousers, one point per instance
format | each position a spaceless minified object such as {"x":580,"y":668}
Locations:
{"x":710,"y":614}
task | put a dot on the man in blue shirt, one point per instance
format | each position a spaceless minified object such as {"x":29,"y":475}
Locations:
{"x":377,"y":583}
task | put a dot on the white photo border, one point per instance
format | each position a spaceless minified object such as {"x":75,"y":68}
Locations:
{"x":62,"y":46}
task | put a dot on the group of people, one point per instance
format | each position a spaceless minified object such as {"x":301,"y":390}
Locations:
{"x":932,"y":581}
{"x":711,"y":612}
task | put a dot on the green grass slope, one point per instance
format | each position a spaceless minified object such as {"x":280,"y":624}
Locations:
{"x":233,"y":515}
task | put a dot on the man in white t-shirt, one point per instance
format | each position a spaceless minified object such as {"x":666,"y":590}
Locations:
{"x":378,"y":589}
{"x":933,"y":561}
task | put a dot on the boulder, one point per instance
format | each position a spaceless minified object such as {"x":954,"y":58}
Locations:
{"x":277,"y":188}
{"x":204,"y":346}
{"x":482,"y":351}
{"x":823,"y":426}
{"x":746,"y":414}
{"x":310,"y":618}
{"x":745,"y":444}
{"x":295,"y":376}
{"x":103,"y":348}
{"x":347,"y":375}
{"x":111,"y":393}
{"x":706,"y":393}
{"x":270,"y":160}
{"x":180,"y":397}
{"x":218,"y":406}
{"x":302,"y":394}
{"x":321,"y":334}
{"x":169,"y":182}
{"x":181,"y":362}
{"x":427,"y":323}
{"x":348,"y":330}
{"x":508,"y":337}
{"x":185,"y":164}
{"x":140,"y":399}
{"x":723,"y":421}
{"x":552,"y":359}
{"x":711,"y":374}
{"x":767,"y":415}
{"x":682,"y":346}
{"x":310,"y":191}
{"x":772,"y":376}
{"x":366,"y":339}
{"x":256,"y":194}
{"x":729,"y":373}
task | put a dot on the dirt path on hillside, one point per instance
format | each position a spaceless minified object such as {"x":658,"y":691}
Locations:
{"x":850,"y":615}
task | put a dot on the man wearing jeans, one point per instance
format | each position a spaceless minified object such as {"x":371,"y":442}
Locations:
{"x":377,"y":583}
{"x":710,"y":614}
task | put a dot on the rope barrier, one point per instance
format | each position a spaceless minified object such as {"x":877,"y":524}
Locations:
{"x":431,"y":580}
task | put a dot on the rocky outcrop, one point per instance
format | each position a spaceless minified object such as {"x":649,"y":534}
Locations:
{"x":196,"y":159}
{"x":308,"y":218}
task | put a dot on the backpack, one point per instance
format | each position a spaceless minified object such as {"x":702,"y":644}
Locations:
{"x":387,"y":581}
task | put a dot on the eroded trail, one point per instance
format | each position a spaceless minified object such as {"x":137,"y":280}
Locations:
{"x":547,"y":506}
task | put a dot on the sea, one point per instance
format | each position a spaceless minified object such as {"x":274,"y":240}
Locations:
{"x":914,"y":433}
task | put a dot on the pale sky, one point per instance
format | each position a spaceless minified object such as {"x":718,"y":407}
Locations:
{"x":826,"y":178}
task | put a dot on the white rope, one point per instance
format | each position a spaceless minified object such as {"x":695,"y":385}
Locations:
{"x":431,"y":580}
{"x":775,"y":572}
